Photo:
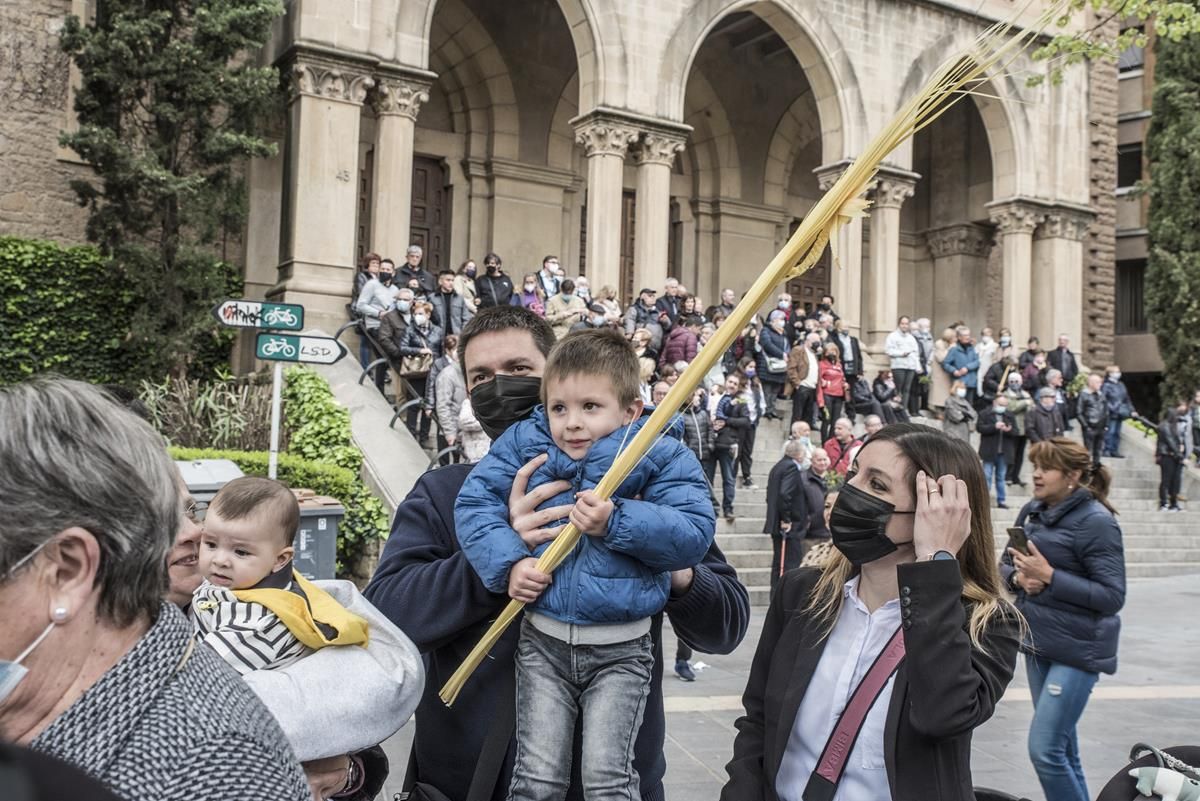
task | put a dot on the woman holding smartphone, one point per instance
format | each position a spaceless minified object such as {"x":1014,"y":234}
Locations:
{"x":871,"y":674}
{"x":1070,"y":584}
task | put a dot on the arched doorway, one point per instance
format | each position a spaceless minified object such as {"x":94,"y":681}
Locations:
{"x":762,"y":125}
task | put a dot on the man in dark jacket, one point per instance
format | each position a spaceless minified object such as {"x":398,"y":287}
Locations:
{"x":997,"y":439}
{"x":1031,"y":351}
{"x":1120,"y":409}
{"x":450,"y":311}
{"x":732,"y":423}
{"x":699,"y":436}
{"x":426,"y":586}
{"x":787,"y":511}
{"x":394,"y":324}
{"x":1044,"y":420}
{"x":1092,"y":410}
{"x":1063,"y":360}
{"x":412,"y":271}
{"x":494,"y":288}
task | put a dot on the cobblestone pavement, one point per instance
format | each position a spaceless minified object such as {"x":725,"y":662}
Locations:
{"x":1154,"y":697}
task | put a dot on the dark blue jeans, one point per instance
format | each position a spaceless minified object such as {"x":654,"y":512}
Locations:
{"x":1060,"y":694}
{"x":604,"y":685}
{"x":1112,"y":437}
{"x":728,"y":480}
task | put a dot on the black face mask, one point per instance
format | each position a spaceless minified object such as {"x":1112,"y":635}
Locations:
{"x":385,"y":278}
{"x":504,"y":400}
{"x":857,"y":523}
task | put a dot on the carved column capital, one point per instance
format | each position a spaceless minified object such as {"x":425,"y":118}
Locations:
{"x":828,"y":174}
{"x":331,"y":81}
{"x":1016,"y":216}
{"x":965,"y":239}
{"x":1065,"y":223}
{"x":657,"y":148}
{"x":400,"y":96}
{"x":602,"y":137}
{"x":890,"y":191}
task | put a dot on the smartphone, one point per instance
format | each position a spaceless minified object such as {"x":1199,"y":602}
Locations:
{"x":1018,"y":540}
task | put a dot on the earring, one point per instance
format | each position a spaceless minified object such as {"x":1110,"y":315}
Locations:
{"x":59,"y":614}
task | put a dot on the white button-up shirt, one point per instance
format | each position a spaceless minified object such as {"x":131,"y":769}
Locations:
{"x":856,"y":641}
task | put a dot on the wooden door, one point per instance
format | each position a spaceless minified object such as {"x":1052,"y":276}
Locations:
{"x":627,"y":241}
{"x":429,"y":225}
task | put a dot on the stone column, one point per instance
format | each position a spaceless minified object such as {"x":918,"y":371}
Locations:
{"x":1015,"y":221}
{"x":654,"y":156}
{"x":881,"y":284}
{"x":960,"y":272}
{"x":846,"y":275}
{"x":397,"y":103}
{"x":1057,"y":281}
{"x":605,"y":142}
{"x":320,"y":189}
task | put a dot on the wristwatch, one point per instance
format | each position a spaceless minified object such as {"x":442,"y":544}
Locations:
{"x":941,"y":555}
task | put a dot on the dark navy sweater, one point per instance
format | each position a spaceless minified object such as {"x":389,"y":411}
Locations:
{"x":425,"y":585}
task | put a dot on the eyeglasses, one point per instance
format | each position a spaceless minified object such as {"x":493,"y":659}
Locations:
{"x":195,"y":511}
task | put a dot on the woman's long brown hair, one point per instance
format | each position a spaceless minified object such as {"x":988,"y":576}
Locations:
{"x":938,"y":454}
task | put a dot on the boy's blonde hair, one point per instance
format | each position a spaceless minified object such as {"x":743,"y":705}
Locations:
{"x":602,"y":353}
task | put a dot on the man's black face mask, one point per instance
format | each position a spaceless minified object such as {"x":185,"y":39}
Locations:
{"x":505,"y":400}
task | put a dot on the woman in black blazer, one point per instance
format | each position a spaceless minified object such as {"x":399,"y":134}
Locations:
{"x":912,"y":554}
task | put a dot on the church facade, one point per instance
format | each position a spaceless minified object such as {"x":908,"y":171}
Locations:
{"x":638,"y":139}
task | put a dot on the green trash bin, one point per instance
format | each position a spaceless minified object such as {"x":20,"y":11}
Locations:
{"x":316,"y":539}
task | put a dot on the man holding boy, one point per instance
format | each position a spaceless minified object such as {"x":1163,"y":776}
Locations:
{"x":426,"y":586}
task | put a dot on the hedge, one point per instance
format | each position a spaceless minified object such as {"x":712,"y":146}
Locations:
{"x":66,"y":310}
{"x":366,"y":518}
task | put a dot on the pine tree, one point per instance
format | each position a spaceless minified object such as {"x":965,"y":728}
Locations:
{"x":1173,"y":270}
{"x":167,"y":108}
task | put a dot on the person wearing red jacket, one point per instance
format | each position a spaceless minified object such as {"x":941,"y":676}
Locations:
{"x":832,"y":389}
{"x":842,"y":446}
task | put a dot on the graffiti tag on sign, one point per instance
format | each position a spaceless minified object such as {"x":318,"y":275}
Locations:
{"x":290,"y":348}
{"x":255,"y":314}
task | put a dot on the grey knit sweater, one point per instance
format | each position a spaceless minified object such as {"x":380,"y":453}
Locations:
{"x":153,"y":730}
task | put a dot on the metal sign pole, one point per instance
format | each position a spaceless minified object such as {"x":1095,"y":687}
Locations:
{"x":276,"y":401}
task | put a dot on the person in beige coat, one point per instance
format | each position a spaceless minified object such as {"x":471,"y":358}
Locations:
{"x":564,"y":309}
{"x":939,"y":387}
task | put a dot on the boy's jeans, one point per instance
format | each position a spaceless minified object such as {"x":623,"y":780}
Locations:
{"x":1060,"y":694}
{"x":605,"y":685}
{"x":997,"y":467}
{"x":728,"y":479}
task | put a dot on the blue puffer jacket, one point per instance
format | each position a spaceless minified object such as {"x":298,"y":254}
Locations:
{"x":1074,"y":620}
{"x":618,"y":578}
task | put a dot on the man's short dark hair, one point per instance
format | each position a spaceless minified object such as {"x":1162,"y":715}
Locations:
{"x":567,"y":286}
{"x":492,"y":257}
{"x":445,"y":272}
{"x":827,"y":295}
{"x":387,"y":261}
{"x":502,"y":318}
{"x":548,"y":258}
{"x":250,"y":495}
{"x":600,"y":352}
{"x":692,"y":319}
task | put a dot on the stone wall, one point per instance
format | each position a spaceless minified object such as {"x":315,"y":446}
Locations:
{"x":35,"y":196}
{"x":1100,"y":266}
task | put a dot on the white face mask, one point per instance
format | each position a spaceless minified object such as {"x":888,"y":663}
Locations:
{"x":420,"y":319}
{"x":12,"y":671}
{"x":962,"y":393}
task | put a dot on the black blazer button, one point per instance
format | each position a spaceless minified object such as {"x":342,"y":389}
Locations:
{"x":906,"y":591}
{"x":906,"y":602}
{"x":908,"y":624}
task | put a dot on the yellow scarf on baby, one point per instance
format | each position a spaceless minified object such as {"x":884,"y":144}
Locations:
{"x":305,"y":614}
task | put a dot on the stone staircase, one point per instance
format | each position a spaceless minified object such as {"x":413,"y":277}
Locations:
{"x":1156,"y":543}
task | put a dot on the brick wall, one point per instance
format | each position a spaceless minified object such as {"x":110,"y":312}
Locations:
{"x":1099,"y":286}
{"x":35,"y":197}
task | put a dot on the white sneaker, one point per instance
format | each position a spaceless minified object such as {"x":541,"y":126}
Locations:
{"x":1164,"y":508}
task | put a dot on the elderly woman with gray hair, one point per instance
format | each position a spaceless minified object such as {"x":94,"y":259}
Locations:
{"x":95,"y":667}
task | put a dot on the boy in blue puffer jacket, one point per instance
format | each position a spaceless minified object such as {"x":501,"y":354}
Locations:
{"x":585,"y":646}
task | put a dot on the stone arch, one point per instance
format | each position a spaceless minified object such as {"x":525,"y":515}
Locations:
{"x":713,"y":147}
{"x":469,"y":57}
{"x":1007,"y":139}
{"x":794,"y":132}
{"x":813,"y":43}
{"x":561,"y":148}
{"x":413,"y":26}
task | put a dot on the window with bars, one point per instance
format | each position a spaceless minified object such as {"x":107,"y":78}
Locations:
{"x":1131,"y":304}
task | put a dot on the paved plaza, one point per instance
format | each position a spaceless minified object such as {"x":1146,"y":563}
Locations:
{"x":1154,"y":697}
